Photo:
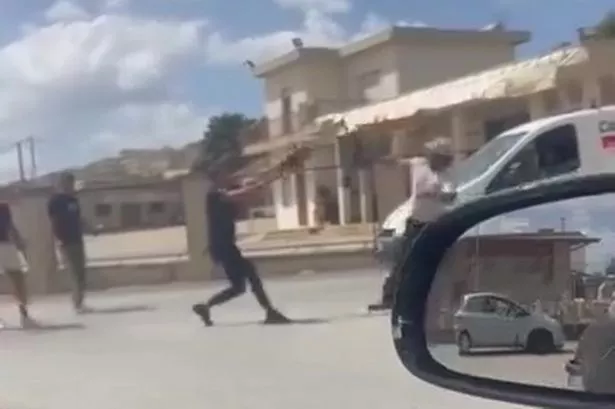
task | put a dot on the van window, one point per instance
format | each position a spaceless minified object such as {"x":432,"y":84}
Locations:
{"x":553,"y":153}
{"x":480,"y":161}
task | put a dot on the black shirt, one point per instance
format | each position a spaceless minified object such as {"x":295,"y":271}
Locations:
{"x":6,"y":221}
{"x":221,"y":214}
{"x":65,"y":216}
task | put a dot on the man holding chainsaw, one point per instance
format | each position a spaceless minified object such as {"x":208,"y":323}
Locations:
{"x":431,"y":193}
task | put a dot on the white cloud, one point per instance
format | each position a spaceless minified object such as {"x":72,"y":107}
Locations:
{"x":326,"y":6}
{"x":104,"y":80}
{"x":318,"y":29}
{"x":100,"y":82}
{"x":64,"y":10}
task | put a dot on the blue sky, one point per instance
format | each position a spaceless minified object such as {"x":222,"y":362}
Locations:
{"x":90,"y":77}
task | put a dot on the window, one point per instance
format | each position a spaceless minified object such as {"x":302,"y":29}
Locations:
{"x":480,"y":161}
{"x":156,"y":207}
{"x":369,"y":84}
{"x":102,"y":210}
{"x":553,"y":153}
{"x":287,"y":107}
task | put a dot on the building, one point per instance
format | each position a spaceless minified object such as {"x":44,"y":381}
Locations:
{"x":309,"y":83}
{"x":130,"y":205}
{"x":400,"y":111}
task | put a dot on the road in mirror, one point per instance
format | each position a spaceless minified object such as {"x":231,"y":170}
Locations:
{"x":526,"y":297}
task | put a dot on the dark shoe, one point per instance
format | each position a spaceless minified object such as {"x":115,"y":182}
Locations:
{"x":276,"y":317}
{"x":202,"y":311}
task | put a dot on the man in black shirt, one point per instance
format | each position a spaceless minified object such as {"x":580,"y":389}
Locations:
{"x":221,"y":214}
{"x":65,"y":215}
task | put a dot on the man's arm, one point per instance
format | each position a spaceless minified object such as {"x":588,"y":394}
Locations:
{"x":266,"y":177}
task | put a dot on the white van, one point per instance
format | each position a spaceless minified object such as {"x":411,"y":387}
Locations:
{"x":557,"y":146}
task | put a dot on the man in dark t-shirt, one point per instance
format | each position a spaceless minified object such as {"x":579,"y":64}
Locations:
{"x":65,"y":215}
{"x":221,"y":214}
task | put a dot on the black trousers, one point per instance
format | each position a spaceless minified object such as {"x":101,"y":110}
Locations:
{"x":389,"y":288}
{"x":238,"y":270}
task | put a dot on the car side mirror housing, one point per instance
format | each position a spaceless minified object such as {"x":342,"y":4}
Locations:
{"x":410,"y":314}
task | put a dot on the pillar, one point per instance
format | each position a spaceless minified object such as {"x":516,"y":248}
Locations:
{"x":343,"y":194}
{"x":399,"y":143}
{"x":194,"y":190}
{"x":459,"y":134}
{"x":591,"y":91}
{"x":365,"y":198}
{"x":30,"y":216}
{"x":537,"y":106}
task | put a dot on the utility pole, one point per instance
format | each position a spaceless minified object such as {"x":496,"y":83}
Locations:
{"x":22,"y":174}
{"x":31,"y":144}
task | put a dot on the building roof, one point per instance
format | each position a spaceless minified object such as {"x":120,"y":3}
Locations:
{"x":304,"y":54}
{"x":392,"y":34}
{"x":572,"y":237}
{"x":426,"y":33}
{"x":503,"y":81}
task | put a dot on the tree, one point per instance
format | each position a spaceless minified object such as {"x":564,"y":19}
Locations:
{"x":606,"y":26}
{"x":223,"y":139}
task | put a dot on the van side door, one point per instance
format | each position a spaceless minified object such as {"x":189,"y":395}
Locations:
{"x":553,"y":153}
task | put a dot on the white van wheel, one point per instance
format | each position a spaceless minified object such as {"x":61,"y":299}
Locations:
{"x":464,"y":343}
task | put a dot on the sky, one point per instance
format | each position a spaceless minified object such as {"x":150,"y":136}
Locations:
{"x":87,"y":78}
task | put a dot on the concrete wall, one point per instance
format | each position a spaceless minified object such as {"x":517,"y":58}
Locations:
{"x":145,"y":198}
{"x":424,"y":64}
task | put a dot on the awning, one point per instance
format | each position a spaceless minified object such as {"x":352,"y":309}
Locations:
{"x":506,"y":81}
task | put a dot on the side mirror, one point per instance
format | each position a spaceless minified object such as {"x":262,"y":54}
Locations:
{"x":533,"y":258}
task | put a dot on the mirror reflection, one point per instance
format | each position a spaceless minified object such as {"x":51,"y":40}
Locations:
{"x":529,"y":297}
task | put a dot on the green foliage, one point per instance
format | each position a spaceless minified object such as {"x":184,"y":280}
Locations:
{"x":222,"y":140}
{"x":606,"y":27}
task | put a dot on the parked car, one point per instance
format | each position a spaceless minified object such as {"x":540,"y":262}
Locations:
{"x":490,"y":320}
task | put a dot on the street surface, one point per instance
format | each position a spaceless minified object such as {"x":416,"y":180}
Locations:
{"x":148,"y":351}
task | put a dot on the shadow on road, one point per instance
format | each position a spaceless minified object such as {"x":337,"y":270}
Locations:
{"x":120,"y":309}
{"x":46,"y":327}
{"x":305,"y":321}
{"x":514,"y":352}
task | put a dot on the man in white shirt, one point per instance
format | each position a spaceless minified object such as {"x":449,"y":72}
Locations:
{"x":431,"y":194}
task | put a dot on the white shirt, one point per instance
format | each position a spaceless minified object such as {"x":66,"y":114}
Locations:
{"x":425,"y":185}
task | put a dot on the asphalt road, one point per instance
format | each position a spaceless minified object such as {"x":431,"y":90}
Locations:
{"x":144,"y":349}
{"x":507,"y":365}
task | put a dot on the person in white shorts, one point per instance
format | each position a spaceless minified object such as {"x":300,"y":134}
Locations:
{"x":13,"y":262}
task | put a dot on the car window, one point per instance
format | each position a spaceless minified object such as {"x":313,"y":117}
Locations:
{"x":551,"y":154}
{"x":474,"y":305}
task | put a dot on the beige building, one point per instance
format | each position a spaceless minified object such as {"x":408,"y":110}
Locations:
{"x":386,"y":95}
{"x":309,"y":83}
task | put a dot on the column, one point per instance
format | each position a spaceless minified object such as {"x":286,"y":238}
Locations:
{"x":194,"y":191}
{"x":343,"y":194}
{"x":399,"y":143}
{"x":536,"y":106}
{"x":365,"y":189}
{"x":591,"y":92}
{"x":459,"y":134}
{"x":30,"y":214}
